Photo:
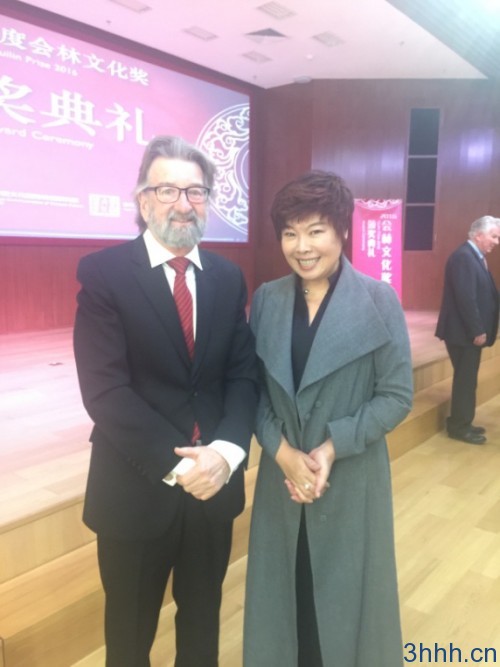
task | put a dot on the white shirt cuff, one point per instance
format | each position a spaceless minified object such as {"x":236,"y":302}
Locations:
{"x":180,"y":469}
{"x":231,"y":453}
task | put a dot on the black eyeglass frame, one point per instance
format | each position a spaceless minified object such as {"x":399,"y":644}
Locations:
{"x":202,"y":188}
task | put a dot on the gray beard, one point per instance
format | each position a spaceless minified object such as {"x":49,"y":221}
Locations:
{"x":178,"y":237}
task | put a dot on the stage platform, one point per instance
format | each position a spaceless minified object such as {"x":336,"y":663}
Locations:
{"x":44,"y":436}
{"x":50,"y":597}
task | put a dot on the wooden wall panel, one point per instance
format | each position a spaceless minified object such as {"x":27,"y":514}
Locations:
{"x":355,"y":137}
{"x":360,"y":130}
{"x":38,"y":286}
{"x":282,"y":134}
{"x":39,"y":283}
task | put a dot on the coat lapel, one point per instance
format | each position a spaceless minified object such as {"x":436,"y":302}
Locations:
{"x":351,"y":327}
{"x":274,"y":347}
{"x":156,"y":290}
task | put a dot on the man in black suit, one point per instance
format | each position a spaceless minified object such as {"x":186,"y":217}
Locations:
{"x":468,"y":321}
{"x":172,"y":425}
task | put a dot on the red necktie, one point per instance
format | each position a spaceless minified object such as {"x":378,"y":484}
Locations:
{"x":184,"y":302}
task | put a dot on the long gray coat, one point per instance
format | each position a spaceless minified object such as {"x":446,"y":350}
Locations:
{"x":356,"y":387}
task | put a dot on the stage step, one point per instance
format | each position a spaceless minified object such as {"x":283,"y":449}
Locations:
{"x":431,"y":404}
{"x":54,"y":530}
{"x":51,"y":533}
{"x":52,"y":616}
{"x":51,"y":603}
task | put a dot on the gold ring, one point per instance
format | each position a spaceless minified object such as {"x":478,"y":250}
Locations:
{"x":307,"y":486}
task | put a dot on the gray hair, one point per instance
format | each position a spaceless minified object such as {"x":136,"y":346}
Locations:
{"x":174,"y":148}
{"x":483,"y":224}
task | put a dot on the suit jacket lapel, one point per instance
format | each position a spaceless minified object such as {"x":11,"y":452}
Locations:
{"x":158,"y":293}
{"x":483,"y":267}
{"x":205,"y":297}
{"x":476,"y":256}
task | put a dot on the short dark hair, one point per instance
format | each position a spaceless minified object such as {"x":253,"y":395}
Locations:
{"x":315,"y":192}
{"x":174,"y":148}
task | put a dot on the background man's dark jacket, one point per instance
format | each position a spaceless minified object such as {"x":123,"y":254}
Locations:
{"x":470,"y":300}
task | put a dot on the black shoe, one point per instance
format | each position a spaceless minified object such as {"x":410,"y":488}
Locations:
{"x":478,"y":430}
{"x":469,"y":437}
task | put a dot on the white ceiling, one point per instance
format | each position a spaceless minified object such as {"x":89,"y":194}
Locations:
{"x":375,"y":40}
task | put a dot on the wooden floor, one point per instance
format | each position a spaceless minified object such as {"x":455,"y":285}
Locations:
{"x":447,"y":523}
{"x":446,"y":503}
{"x":44,"y":429}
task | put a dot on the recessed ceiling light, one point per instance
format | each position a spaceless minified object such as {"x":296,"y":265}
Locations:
{"x":200,"y":33}
{"x":134,"y":5}
{"x":276,"y":10}
{"x":328,"y":39}
{"x":256,"y":57}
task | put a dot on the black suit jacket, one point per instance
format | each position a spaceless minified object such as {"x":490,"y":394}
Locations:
{"x":143,"y":393}
{"x":470,"y":300}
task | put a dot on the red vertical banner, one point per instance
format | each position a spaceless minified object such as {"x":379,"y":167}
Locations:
{"x":377,"y":240}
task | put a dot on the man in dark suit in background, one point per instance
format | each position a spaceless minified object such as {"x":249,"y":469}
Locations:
{"x":166,"y":366}
{"x":468,"y":321}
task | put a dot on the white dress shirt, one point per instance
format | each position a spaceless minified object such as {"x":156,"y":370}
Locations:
{"x":159,"y":255}
{"x":478,"y":253}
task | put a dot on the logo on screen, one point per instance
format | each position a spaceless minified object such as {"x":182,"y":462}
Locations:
{"x":225,"y":138}
{"x":104,"y":206}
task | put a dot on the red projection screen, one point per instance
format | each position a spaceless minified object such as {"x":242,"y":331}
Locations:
{"x":74,"y":120}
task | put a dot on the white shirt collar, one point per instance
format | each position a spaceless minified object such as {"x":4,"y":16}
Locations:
{"x":158,"y":254}
{"x":474,"y":246}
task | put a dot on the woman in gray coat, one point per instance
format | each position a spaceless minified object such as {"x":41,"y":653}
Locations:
{"x":337,"y":377}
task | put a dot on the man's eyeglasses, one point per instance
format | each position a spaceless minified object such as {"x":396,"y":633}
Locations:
{"x":168,"y":194}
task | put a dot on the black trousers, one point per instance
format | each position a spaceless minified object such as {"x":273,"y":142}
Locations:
{"x":134,"y":576}
{"x":465,"y":361}
{"x":307,"y":626}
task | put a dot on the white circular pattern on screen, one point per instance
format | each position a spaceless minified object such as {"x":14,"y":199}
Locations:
{"x":225,"y":139}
